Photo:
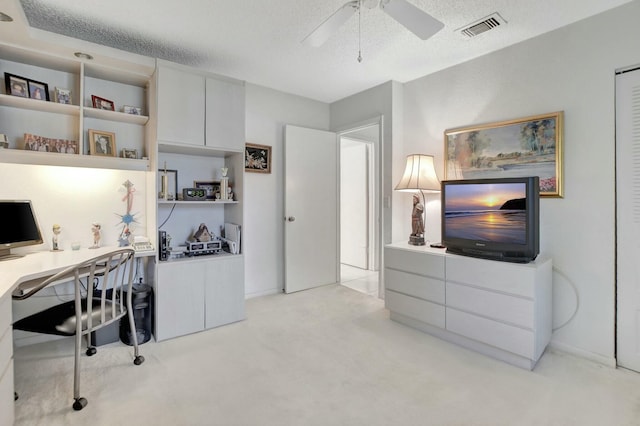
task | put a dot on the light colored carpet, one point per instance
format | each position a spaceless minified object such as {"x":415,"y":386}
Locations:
{"x":328,"y":356}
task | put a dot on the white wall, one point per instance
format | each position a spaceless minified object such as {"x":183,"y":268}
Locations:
{"x":383,"y":100}
{"x":267,"y":112}
{"x":571,"y":69}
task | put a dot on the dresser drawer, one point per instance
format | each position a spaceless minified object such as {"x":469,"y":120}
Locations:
{"x":502,"y":307}
{"x":421,"y":310}
{"x":5,"y":312}
{"x":427,"y":264}
{"x":414,"y":285}
{"x":509,"y":338}
{"x":6,"y":395}
{"x":513,"y":278}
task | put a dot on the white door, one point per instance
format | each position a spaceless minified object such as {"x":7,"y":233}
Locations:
{"x":628,"y":218}
{"x":354,"y":203}
{"x":310,"y":208}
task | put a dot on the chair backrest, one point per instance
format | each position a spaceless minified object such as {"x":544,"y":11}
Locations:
{"x":105,"y":303}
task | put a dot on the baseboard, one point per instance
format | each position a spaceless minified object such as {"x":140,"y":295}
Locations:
{"x":263,"y":293}
{"x":600,"y":359}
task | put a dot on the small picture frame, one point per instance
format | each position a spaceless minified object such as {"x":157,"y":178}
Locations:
{"x":62,"y":96}
{"x":211,"y":186}
{"x":44,"y":144}
{"x":16,"y":85}
{"x":257,"y":158}
{"x":102,"y":143}
{"x":128,"y":109}
{"x":38,"y":90}
{"x":129,"y":153}
{"x":102,"y":103}
{"x":172,"y":183}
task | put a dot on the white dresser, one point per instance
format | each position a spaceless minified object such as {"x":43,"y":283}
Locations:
{"x":497,"y":308}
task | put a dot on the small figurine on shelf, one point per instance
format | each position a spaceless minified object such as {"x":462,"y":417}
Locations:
{"x":229,"y":193}
{"x":95,"y":228}
{"x":54,"y":241}
{"x":202,"y":234}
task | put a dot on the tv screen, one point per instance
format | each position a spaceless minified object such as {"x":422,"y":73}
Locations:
{"x":21,"y":227}
{"x":492,"y":218}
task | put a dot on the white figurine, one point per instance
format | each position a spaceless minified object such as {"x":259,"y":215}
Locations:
{"x":54,"y":240}
{"x":95,"y":228}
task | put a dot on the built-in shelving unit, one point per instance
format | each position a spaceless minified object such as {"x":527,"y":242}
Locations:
{"x":199,"y":292}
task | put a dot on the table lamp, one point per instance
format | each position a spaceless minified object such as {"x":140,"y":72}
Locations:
{"x":419,"y":176}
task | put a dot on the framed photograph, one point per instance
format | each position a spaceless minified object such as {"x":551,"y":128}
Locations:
{"x":102,"y":103}
{"x":62,"y":96}
{"x":530,"y":146}
{"x":172,"y":183}
{"x":43,"y":144}
{"x":102,"y":143}
{"x":38,"y":90}
{"x":212,"y":187}
{"x":257,"y":158}
{"x":129,"y":153}
{"x":127,"y":109}
{"x":16,"y":86}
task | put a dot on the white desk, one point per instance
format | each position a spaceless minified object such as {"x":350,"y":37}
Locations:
{"x":12,"y":273}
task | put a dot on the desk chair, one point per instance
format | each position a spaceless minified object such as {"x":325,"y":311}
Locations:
{"x":96,"y":308}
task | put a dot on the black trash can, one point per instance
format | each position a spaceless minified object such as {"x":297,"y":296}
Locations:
{"x":141,"y":302}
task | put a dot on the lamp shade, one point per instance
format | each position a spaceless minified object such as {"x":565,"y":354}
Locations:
{"x":419,"y":175}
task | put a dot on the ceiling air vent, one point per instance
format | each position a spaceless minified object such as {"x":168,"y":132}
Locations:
{"x":483,"y":25}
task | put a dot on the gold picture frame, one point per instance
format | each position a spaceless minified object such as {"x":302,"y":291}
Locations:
{"x":102,"y":143}
{"x":257,"y":158}
{"x":529,"y":146}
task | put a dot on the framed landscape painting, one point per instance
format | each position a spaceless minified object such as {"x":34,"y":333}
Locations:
{"x":530,"y":146}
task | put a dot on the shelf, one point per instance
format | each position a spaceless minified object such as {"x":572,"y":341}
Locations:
{"x":220,"y":256}
{"x":19,"y":156}
{"x":197,"y":202}
{"x":36,"y":105}
{"x":115,"y":116}
{"x":177,"y":148}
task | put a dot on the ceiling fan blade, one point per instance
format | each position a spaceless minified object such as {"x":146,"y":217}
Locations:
{"x":414,"y":19}
{"x":331,"y":24}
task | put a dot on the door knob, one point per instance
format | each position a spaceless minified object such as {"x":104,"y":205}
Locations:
{"x":291,"y":218}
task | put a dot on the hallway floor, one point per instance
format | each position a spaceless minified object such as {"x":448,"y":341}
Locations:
{"x":360,"y":280}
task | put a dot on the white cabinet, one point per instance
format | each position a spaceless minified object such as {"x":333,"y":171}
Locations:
{"x":198,"y":109}
{"x":497,"y":308}
{"x":200,"y":132}
{"x":55,"y":124}
{"x":197,"y":294}
{"x":181,"y":106}
{"x":179,"y":299}
{"x":225,"y":121}
{"x":224,"y":291}
{"x":6,"y":362}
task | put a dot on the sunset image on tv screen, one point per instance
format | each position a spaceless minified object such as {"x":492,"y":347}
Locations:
{"x":486,"y":212}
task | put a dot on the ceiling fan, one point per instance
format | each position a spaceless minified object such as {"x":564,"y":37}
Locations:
{"x":414,"y":19}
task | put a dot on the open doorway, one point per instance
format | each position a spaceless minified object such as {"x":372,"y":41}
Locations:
{"x":359,"y":207}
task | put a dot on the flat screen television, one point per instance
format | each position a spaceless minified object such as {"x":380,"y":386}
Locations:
{"x":19,"y":227}
{"x":495,"y":219}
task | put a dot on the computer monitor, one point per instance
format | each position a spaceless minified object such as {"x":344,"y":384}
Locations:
{"x":19,"y":227}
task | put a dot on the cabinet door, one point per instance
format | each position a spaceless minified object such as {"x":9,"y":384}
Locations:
{"x":179,"y":299}
{"x":225,"y":115}
{"x":181,"y":106}
{"x":224,"y":291}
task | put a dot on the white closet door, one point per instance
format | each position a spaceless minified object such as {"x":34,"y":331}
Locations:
{"x":628,"y":218}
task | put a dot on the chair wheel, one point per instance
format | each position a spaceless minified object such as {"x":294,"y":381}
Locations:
{"x":91,"y":351}
{"x":138,"y":360}
{"x":79,"y":404}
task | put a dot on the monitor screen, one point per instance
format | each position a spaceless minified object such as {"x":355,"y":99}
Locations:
{"x":20,"y":225}
{"x":487,"y":212}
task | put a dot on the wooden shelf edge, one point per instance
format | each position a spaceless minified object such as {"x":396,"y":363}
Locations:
{"x":36,"y":105}
{"x":18,"y":156}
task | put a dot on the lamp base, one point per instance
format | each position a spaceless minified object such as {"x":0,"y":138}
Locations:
{"x":416,"y":240}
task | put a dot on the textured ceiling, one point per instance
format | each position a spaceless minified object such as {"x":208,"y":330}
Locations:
{"x":259,"y":40}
